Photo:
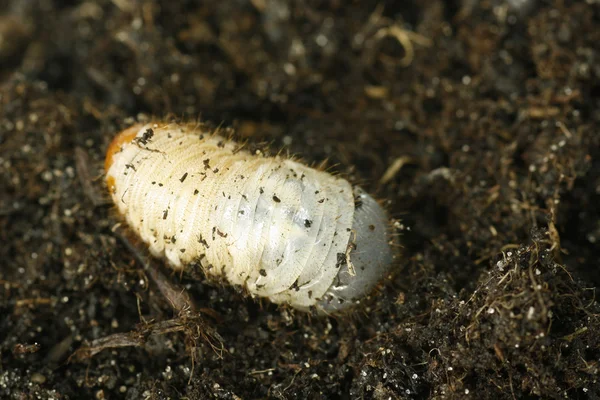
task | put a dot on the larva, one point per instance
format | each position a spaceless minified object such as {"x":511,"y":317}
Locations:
{"x":280,"y":229}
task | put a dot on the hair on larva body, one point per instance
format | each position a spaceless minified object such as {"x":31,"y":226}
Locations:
{"x":282,"y":230}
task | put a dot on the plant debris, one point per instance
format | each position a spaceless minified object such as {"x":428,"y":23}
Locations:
{"x":475,"y":122}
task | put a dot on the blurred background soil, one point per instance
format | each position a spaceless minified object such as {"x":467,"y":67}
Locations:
{"x":477,"y":122}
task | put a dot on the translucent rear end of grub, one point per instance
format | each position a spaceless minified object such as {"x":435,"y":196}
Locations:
{"x":278,"y":228}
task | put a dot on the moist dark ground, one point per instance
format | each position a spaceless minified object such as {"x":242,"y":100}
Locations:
{"x":492,"y":108}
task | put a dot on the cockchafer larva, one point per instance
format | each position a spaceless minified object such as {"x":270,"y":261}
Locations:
{"x":278,"y":228}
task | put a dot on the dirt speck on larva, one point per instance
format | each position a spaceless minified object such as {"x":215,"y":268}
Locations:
{"x":494,"y":106}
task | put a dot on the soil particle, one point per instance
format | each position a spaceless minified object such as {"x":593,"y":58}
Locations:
{"x":485,"y":115}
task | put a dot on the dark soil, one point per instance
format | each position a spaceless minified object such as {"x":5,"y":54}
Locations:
{"x":491,"y":108}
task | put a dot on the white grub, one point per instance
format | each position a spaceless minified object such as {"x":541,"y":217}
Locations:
{"x":278,"y":228}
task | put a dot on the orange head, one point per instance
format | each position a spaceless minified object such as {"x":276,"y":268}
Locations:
{"x":122,"y":138}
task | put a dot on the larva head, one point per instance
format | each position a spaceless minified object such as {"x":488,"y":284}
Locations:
{"x":116,"y":146}
{"x":371,"y":255}
{"x":117,"y":143}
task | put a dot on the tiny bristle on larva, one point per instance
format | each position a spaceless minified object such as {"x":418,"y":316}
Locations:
{"x":280,"y":229}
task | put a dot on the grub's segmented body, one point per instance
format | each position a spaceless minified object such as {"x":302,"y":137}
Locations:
{"x":278,"y":228}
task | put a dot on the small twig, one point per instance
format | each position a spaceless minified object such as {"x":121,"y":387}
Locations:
{"x":394,"y":168}
{"x":82,"y":162}
{"x":406,"y":39}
